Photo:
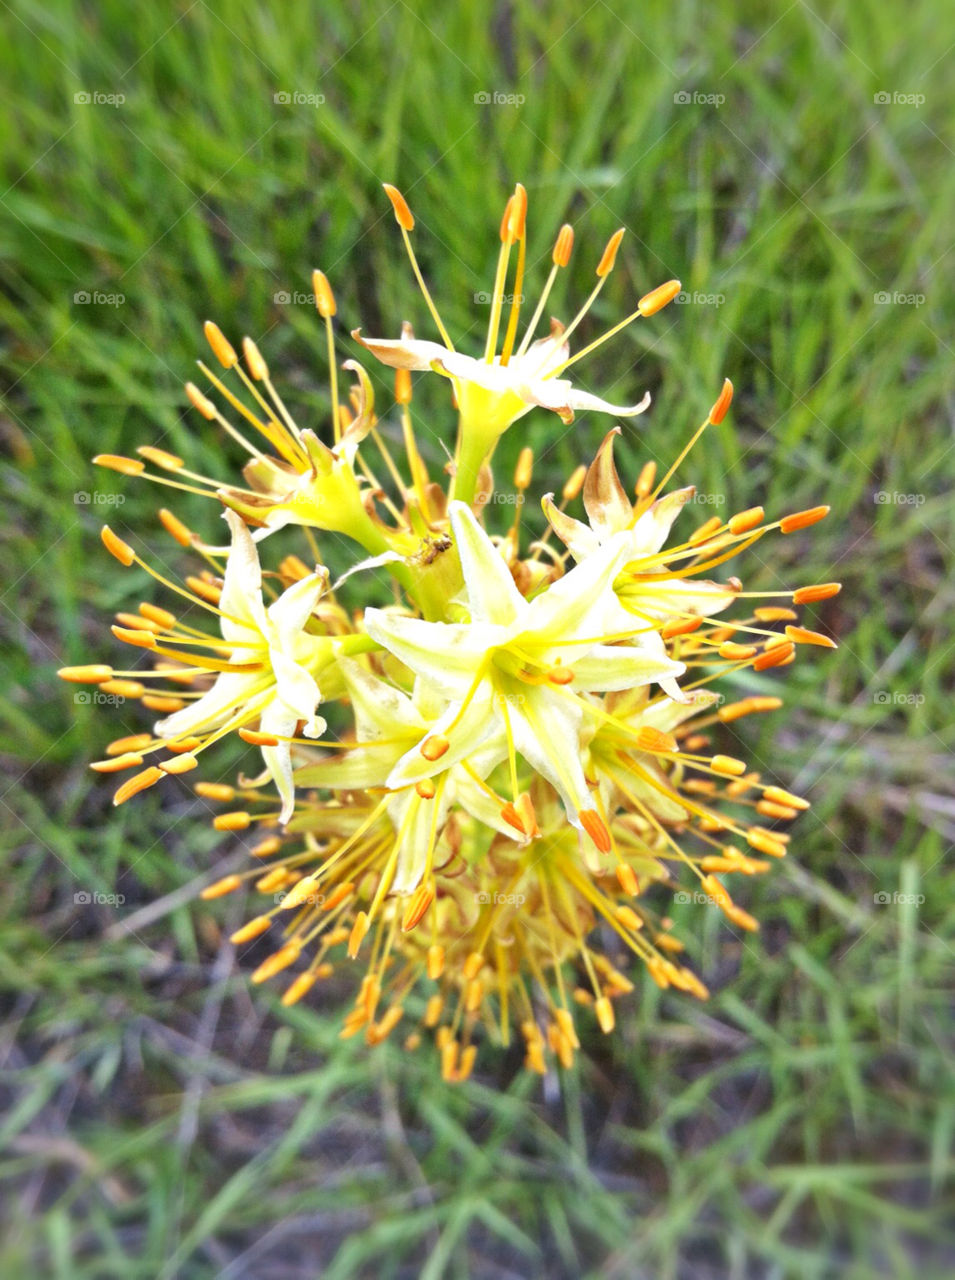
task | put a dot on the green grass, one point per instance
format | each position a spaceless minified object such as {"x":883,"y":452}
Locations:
{"x":161,"y":1119}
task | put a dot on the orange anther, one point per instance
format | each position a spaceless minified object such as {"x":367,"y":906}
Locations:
{"x":802,"y":635}
{"x":237,"y":821}
{"x":254,"y":929}
{"x":723,"y":402}
{"x":563,"y":245}
{"x":418,"y":904}
{"x":258,"y":369}
{"x":324,"y":297}
{"x":116,"y":462}
{"x":175,"y":528}
{"x":823,"y":591}
{"x":275,"y":963}
{"x":658,"y":298}
{"x":745,"y":520}
{"x":200,"y":401}
{"x":222,"y":348}
{"x":650,"y":739}
{"x":434,"y":748}
{"x":228,"y":884}
{"x":139,"y":782}
{"x":117,"y":547}
{"x":605,"y":266}
{"x":93,"y":673}
{"x":357,"y":935}
{"x":802,"y":519}
{"x":403,"y":214}
{"x":627,"y":879}
{"x":728,"y":765}
{"x":596,"y":828}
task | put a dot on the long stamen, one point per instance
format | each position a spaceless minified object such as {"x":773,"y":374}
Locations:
{"x":405,"y":220}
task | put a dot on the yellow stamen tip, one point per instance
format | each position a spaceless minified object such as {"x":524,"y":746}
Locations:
{"x":605,"y":266}
{"x":434,"y":748}
{"x":116,"y":462}
{"x":237,"y":821}
{"x":563,"y":245}
{"x":256,"y":739}
{"x":222,"y":348}
{"x":258,"y":369}
{"x":94,"y":673}
{"x":180,"y":764}
{"x":117,"y":547}
{"x":175,"y":527}
{"x":228,"y":884}
{"x":743,"y":521}
{"x":324,"y":297}
{"x":254,"y":929}
{"x":139,"y":782}
{"x":200,"y":401}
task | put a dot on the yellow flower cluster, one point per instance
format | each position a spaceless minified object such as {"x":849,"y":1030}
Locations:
{"x":489,"y":776}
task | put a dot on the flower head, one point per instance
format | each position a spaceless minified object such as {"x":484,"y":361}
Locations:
{"x":494,"y":390}
{"x":524,"y":754}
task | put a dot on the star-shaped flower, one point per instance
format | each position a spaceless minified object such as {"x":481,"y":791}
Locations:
{"x":522,"y":667}
{"x":275,"y":684}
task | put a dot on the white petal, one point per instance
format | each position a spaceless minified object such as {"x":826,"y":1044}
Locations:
{"x":241,"y":597}
{"x":547,"y":731}
{"x":446,"y":654}
{"x":278,"y":720}
{"x":290,"y":612}
{"x":407,"y":353}
{"x":492,"y":594}
{"x":606,"y":667}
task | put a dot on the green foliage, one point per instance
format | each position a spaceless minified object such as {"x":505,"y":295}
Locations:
{"x":162,"y":1120}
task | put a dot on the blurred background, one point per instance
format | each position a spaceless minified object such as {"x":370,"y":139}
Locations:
{"x":793,"y":166}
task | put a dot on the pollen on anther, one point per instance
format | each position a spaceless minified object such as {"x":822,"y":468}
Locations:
{"x":723,"y":402}
{"x":93,"y":673}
